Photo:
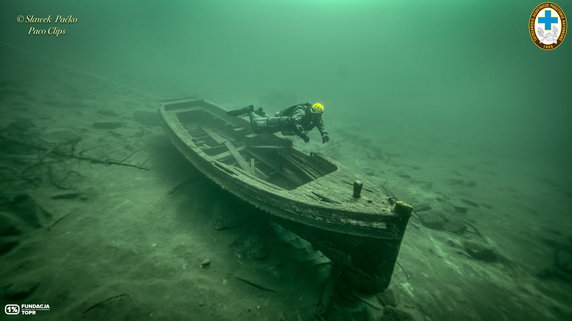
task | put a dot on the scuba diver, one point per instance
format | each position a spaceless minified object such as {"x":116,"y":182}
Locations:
{"x":294,"y":120}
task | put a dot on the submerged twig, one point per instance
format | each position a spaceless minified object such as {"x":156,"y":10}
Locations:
{"x":100,"y":303}
{"x":334,"y":144}
{"x":80,"y":156}
{"x":105,"y":162}
{"x":145,"y":161}
{"x":366,"y":302}
{"x":178,"y":186}
{"x":255,"y":285}
{"x":402,"y":269}
{"x":73,"y":145}
{"x":40,"y":159}
{"x":81,"y":152}
{"x":56,"y":222}
{"x":52,"y":179}
{"x":131,"y":154}
{"x":476,"y":230}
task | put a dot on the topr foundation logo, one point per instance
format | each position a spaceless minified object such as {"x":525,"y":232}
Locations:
{"x":25,"y":309}
{"x":547,"y":26}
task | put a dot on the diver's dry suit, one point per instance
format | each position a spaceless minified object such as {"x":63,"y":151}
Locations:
{"x":294,"y":120}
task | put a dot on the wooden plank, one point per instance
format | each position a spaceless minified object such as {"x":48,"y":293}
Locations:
{"x":226,"y":153}
{"x":267,"y":147}
{"x":293,"y":177}
{"x":221,"y":156}
{"x":195,"y":130}
{"x":197,"y":133}
{"x":305,"y":169}
{"x":214,"y":135}
{"x":261,"y":159}
{"x":236,"y":154}
{"x":255,"y":171}
{"x":211,"y":148}
{"x":315,"y":173}
{"x":261,"y":174}
{"x":225,"y":136}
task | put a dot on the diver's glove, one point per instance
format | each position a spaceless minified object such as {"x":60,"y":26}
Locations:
{"x":325,"y":138}
{"x":305,"y":137}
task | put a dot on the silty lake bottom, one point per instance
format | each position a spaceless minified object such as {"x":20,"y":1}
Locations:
{"x":102,"y":218}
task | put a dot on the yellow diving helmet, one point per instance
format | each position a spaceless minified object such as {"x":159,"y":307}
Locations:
{"x":317,"y":108}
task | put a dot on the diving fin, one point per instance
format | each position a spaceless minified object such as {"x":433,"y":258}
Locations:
{"x":241,"y":111}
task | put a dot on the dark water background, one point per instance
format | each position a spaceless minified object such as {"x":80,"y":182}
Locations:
{"x":457,"y":71}
{"x":465,"y":69}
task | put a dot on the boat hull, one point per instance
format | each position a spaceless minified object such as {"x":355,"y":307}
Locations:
{"x":362,"y":243}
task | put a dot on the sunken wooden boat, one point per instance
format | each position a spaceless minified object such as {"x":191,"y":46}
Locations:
{"x":309,"y":194}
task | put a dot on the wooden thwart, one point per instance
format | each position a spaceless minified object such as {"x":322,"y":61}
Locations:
{"x":226,"y":153}
{"x":236,"y":154}
{"x":215,"y":136}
